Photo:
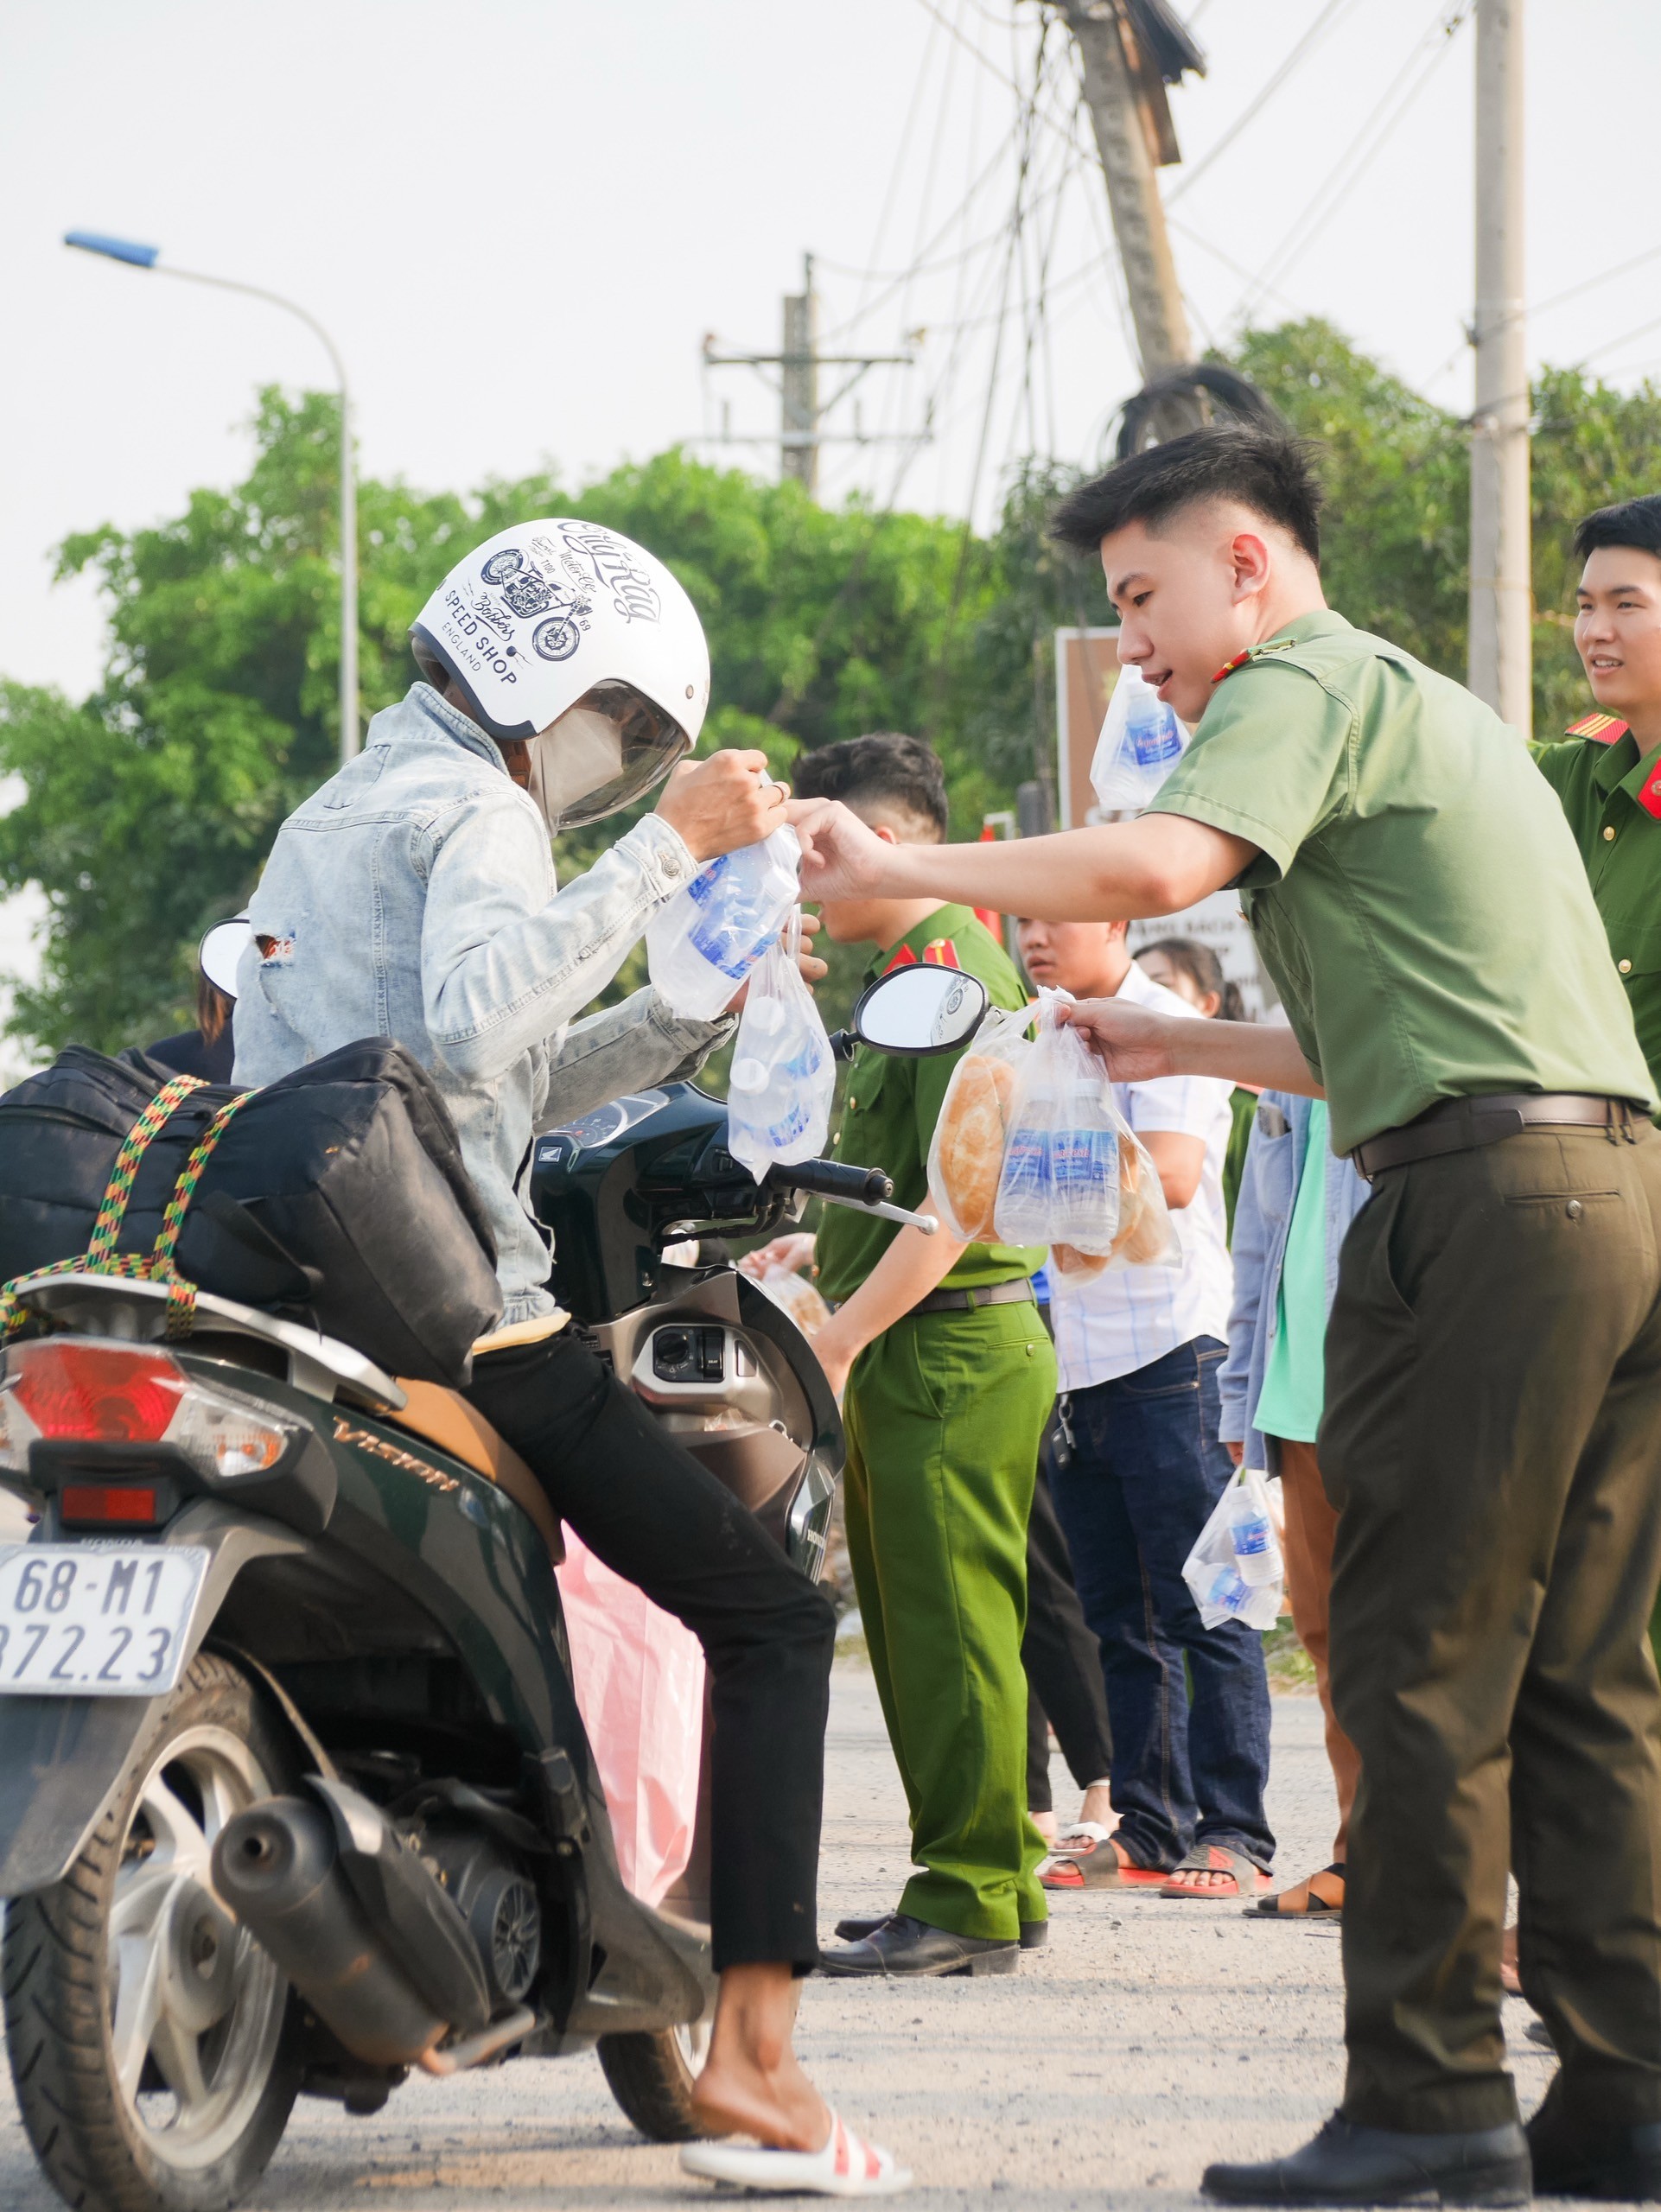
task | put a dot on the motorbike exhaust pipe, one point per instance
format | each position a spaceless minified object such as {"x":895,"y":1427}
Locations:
{"x":277,"y":1867}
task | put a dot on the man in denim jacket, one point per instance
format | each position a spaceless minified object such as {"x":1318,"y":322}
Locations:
{"x":413,"y":896}
{"x":1295,"y":1193}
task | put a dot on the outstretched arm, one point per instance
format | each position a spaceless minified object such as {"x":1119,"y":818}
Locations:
{"x":1116,"y":871}
{"x":1138,"y":1046}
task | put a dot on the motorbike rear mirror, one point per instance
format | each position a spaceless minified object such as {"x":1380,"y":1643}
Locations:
{"x":921,"y":1009}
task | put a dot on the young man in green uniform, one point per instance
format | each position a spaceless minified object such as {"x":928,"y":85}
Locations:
{"x":1608,"y":774}
{"x":947,"y":1377}
{"x":1491,"y":1436}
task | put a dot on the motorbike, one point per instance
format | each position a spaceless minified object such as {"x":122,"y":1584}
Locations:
{"x":297,"y":1797}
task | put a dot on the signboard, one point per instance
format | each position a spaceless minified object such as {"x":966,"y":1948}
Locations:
{"x":1087,"y":669}
{"x":1217,"y":921}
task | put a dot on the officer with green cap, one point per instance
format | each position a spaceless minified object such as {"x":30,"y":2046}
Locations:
{"x":948,"y":1376}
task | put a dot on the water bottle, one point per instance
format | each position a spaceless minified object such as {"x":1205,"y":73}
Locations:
{"x":1257,"y":1549}
{"x":1152,"y":732}
{"x":704,"y":942}
{"x":1228,"y":1593}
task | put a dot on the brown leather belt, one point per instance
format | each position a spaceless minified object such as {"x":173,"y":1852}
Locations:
{"x":1017,"y":1291}
{"x":1465,"y":1124}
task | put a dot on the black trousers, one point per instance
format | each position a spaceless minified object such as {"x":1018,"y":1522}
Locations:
{"x":1062,"y":1658}
{"x":644,"y":1506}
{"x":1491,"y":1442}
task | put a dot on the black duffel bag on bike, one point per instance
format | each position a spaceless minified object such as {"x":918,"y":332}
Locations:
{"x":335,"y":1197}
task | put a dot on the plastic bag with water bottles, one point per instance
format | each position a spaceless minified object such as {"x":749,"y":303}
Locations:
{"x":1141,"y":742}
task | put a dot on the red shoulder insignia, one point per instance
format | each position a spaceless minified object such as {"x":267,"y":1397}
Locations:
{"x":940,"y":953}
{"x":903,"y":958}
{"x":1601,"y":728}
{"x":1229,"y":666}
{"x":1648,"y":796}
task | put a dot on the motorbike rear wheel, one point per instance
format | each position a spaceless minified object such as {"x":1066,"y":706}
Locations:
{"x":144,"y":2028}
{"x":651,"y":2077}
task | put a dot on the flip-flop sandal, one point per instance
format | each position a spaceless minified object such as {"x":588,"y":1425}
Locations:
{"x":1304,"y":1901}
{"x":1088,"y":1858}
{"x":845,"y":2167}
{"x":1215,"y":1859}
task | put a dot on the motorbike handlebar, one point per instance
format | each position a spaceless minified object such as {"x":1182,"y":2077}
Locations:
{"x":834,"y":1179}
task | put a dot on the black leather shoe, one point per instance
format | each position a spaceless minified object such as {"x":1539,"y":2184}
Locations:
{"x":1348,"y":2165}
{"x":903,"y":1946}
{"x":1574,"y":2160}
{"x":1034,"y":1934}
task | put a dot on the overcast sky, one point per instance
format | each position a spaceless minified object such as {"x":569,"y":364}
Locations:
{"x":518,"y":221}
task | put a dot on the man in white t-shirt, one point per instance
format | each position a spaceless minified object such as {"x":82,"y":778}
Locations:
{"x":1136,"y":1472}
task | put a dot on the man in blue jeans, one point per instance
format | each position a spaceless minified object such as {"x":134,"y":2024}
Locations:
{"x":1137,"y":1470}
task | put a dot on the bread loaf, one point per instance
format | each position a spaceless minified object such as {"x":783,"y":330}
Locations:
{"x":1074,"y":1265}
{"x":1141,"y":1231}
{"x":973,"y":1127}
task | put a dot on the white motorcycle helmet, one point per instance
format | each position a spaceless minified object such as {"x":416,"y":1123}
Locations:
{"x":563,"y":632}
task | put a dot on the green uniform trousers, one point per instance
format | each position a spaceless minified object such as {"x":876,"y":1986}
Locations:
{"x":1493,"y":1445}
{"x":944,"y":1414}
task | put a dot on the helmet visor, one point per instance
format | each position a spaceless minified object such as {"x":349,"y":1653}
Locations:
{"x":614,"y":744}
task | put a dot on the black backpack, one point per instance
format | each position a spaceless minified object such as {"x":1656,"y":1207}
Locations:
{"x":335,"y":1197}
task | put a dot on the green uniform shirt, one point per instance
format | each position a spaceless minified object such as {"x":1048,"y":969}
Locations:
{"x":1417,"y":897}
{"x":891,"y":1109}
{"x":1612,"y":798}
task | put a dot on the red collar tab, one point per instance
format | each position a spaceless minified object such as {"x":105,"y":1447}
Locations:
{"x":1601,"y":728}
{"x":903,"y":958}
{"x":1649,"y":795}
{"x":1229,"y":666}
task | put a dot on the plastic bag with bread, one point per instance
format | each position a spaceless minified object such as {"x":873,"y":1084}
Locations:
{"x":1063,"y":1160}
{"x":965,"y":1155}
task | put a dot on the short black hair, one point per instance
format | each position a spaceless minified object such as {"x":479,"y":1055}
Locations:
{"x":1266,"y":469}
{"x":1634,"y":522}
{"x":886,"y":767}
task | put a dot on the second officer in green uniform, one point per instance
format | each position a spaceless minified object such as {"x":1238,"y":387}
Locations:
{"x":947,"y":1377}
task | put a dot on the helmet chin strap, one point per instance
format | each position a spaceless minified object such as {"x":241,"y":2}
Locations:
{"x":516,"y":752}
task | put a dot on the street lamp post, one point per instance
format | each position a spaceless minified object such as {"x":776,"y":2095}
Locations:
{"x":148,"y":257}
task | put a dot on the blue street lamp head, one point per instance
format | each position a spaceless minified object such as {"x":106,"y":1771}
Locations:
{"x":142,"y":257}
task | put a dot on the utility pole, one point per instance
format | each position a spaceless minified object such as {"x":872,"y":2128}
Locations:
{"x":798,"y":385}
{"x":1127,"y":52}
{"x":802,"y":411}
{"x":1500,"y":666}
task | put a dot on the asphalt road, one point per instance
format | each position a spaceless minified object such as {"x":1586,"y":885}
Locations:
{"x":1147,"y":2039}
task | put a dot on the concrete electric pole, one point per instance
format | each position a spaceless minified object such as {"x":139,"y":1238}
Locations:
{"x":1500,"y":666}
{"x":801,"y":411}
{"x":1129,"y":52}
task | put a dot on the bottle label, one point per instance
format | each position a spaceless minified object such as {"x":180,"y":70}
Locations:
{"x":1155,"y":742}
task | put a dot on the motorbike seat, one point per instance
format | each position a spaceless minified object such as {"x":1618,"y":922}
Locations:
{"x":445,"y":1418}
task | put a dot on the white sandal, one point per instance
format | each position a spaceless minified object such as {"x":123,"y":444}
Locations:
{"x":845,"y":2167}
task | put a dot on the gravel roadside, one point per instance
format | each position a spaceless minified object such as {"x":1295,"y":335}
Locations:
{"x":1147,"y":2039}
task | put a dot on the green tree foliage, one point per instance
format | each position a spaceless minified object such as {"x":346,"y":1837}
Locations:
{"x":1397,"y":545}
{"x":150,"y":807}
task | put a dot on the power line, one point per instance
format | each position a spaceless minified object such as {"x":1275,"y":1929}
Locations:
{"x":1357,"y":156}
{"x":1326,"y":20}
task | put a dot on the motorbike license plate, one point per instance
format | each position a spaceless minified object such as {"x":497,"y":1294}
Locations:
{"x":96,"y":1619}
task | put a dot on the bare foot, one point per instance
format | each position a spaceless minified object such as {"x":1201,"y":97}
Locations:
{"x":1045,"y":1823}
{"x":1202,"y":1878}
{"x":752,"y":2082}
{"x":1099,"y":1806}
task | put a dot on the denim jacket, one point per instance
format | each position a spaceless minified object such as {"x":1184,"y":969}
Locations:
{"x":1263,"y":1217}
{"x":413,"y":896}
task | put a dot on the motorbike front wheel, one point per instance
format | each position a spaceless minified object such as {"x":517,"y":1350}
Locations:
{"x":651,"y":2077}
{"x":144,"y":2028}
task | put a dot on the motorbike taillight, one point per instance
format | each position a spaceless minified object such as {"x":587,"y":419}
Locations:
{"x":71,"y":1391}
